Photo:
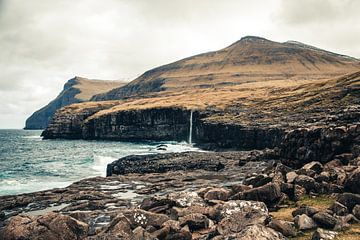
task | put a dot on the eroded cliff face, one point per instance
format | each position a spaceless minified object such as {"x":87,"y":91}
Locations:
{"x":159,"y":124}
{"x":67,"y":122}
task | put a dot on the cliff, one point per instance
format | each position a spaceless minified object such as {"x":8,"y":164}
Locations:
{"x":75,"y":90}
{"x":283,"y":95}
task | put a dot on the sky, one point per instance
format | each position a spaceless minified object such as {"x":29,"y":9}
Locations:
{"x":44,"y":43}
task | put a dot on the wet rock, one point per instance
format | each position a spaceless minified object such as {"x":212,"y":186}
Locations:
{"x":195,"y":221}
{"x":50,"y":226}
{"x":270,"y":194}
{"x":352,"y":182}
{"x":138,"y":217}
{"x":217,"y":194}
{"x":349,"y":200}
{"x":339,"y":209}
{"x":290,"y":176}
{"x":258,"y":180}
{"x":321,"y":234}
{"x":325,"y":220}
{"x":304,"y":222}
{"x":259,"y":232}
{"x":304,"y":209}
{"x":157,"y":204}
{"x":314,"y":166}
{"x":305,"y":181}
{"x":160,"y":163}
{"x":286,"y":228}
{"x":356,"y":211}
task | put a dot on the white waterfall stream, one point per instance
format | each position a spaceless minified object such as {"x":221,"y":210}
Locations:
{"x":191,"y":125}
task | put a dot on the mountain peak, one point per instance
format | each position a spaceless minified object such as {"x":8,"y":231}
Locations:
{"x":253,"y":39}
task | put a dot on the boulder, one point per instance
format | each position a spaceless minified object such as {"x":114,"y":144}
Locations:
{"x":270,"y":194}
{"x":299,"y":192}
{"x":52,"y":226}
{"x":321,"y":234}
{"x":286,"y":228}
{"x":195,"y":221}
{"x":349,"y":200}
{"x":290,"y":176}
{"x":304,"y":222}
{"x":157,"y":204}
{"x":217,"y":194}
{"x":238,"y":188}
{"x":186,"y":199}
{"x":235,"y":215}
{"x":356,"y":211}
{"x":325,"y":220}
{"x":339,"y":209}
{"x":305,"y":181}
{"x":258,"y":232}
{"x":139,"y":217}
{"x":258,"y":180}
{"x":314,"y":166}
{"x":336,"y":163}
{"x":140,"y":233}
{"x":304,"y":209}
{"x":119,"y":227}
{"x":323,"y":177}
{"x":352,"y":182}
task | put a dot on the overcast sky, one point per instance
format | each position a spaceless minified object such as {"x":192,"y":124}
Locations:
{"x":44,"y":43}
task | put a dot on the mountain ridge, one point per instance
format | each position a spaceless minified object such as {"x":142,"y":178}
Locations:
{"x":250,"y":58}
{"x":75,"y":90}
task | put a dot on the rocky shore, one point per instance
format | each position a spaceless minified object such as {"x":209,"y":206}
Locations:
{"x":195,"y":195}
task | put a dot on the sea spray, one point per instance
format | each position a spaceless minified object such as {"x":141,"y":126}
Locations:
{"x":191,"y":125}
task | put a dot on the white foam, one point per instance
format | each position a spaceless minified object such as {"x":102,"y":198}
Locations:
{"x":100,"y":164}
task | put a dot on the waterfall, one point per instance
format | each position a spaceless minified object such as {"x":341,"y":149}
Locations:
{"x":191,"y":125}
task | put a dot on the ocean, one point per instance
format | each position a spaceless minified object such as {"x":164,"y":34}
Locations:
{"x":28,"y":163}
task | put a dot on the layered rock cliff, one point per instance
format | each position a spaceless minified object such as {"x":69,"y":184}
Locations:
{"x":75,"y":90}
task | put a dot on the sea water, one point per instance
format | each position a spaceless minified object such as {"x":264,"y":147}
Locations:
{"x":28,"y":163}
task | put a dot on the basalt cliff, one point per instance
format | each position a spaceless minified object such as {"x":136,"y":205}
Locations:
{"x":253,"y":94}
{"x":76,"y":90}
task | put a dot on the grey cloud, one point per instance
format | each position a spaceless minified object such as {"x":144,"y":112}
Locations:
{"x":44,"y":43}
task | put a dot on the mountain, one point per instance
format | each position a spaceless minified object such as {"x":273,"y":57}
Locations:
{"x":75,"y":90}
{"x":251,"y":59}
{"x":247,"y":95}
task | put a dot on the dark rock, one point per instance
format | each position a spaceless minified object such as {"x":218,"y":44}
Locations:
{"x":304,"y":209}
{"x":321,"y":234}
{"x":356,"y":211}
{"x":336,"y":163}
{"x":270,"y":194}
{"x":325,"y":220}
{"x":304,"y":222}
{"x":322,"y":177}
{"x":258,"y":180}
{"x":217,"y":194}
{"x":305,"y":181}
{"x":157,"y":204}
{"x":140,"y":233}
{"x":339,"y":209}
{"x":314,"y":166}
{"x":160,"y":163}
{"x":286,"y":228}
{"x":352,"y":182}
{"x":299,"y":192}
{"x":349,"y":200}
{"x":195,"y":221}
{"x":238,"y":188}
